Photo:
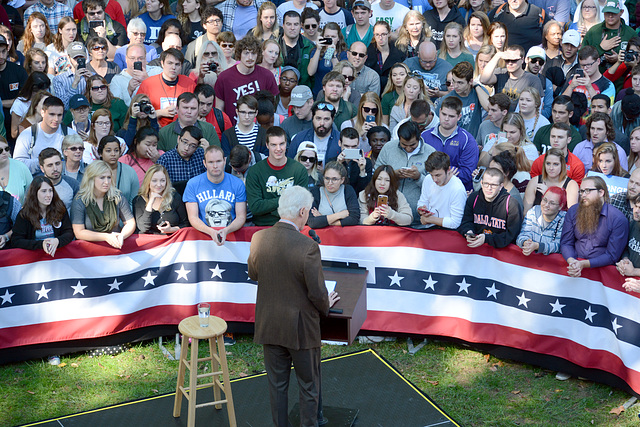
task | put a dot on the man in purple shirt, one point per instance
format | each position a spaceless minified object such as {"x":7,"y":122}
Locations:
{"x":594,"y":233}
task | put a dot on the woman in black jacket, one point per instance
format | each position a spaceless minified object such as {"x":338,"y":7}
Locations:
{"x":381,"y":55}
{"x":335,"y":203}
{"x":43,"y":221}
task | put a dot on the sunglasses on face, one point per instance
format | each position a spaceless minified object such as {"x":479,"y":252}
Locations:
{"x":4,"y":150}
{"x":74,"y":149}
{"x":361,"y":55}
{"x":512,"y":61}
{"x":349,"y":78}
{"x":368,"y":110}
{"x":99,"y":88}
{"x":97,"y":48}
{"x":310,"y":26}
{"x":304,"y":159}
{"x":226,"y":45}
{"x":538,"y":61}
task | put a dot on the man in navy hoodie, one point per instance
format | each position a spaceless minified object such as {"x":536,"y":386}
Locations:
{"x":491,"y":215}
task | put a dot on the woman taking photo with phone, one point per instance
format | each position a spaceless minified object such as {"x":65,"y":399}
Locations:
{"x":43,"y":222}
{"x":330,"y":50}
{"x":381,"y":203}
{"x":158,"y":208}
{"x":335,"y":203}
{"x":99,"y":207}
{"x":369,"y":115}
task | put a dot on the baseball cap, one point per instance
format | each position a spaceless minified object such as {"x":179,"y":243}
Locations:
{"x":76,"y":49}
{"x":307,"y":145}
{"x":290,"y":68}
{"x":3,"y":40}
{"x":612,"y":7}
{"x":78,"y":101}
{"x":300,"y":95}
{"x":571,"y":37}
{"x":536,"y":52}
{"x":361,"y":3}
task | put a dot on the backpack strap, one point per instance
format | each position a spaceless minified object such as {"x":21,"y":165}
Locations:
{"x":219,"y":119}
{"x":34,"y":136}
{"x":476,"y":200}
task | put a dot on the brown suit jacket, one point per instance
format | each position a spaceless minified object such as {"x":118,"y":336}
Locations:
{"x":291,"y":291}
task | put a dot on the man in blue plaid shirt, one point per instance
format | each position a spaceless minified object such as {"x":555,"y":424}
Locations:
{"x":52,"y":10}
{"x":187,"y":159}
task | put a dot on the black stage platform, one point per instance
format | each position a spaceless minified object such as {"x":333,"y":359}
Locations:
{"x":359,"y":383}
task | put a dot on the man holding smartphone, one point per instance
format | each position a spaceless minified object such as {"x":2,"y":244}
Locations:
{"x":491,"y":215}
{"x":359,"y":168}
{"x":588,"y":79}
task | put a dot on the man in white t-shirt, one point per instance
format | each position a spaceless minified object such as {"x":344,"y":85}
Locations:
{"x":48,"y":133}
{"x":296,"y":5}
{"x":334,"y":13}
{"x":443,"y":195}
{"x":390,"y":11}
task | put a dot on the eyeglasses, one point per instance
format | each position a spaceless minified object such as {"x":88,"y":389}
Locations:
{"x":512,"y":61}
{"x":538,"y":61}
{"x":102,"y":123}
{"x":586,"y":191}
{"x":213,"y":21}
{"x":368,"y":110}
{"x":361,"y":55}
{"x":381,"y":35}
{"x":99,"y":88}
{"x":226,"y":45}
{"x":325,"y":106}
{"x":137,"y":34}
{"x":189,"y":146}
{"x":332,"y":180}
{"x":424,"y":61}
{"x":4,"y":150}
{"x":349,"y":78}
{"x":288,"y":80}
{"x":588,"y":65}
{"x":304,"y":159}
{"x":549,"y":202}
{"x":310,"y":26}
{"x":74,"y":149}
{"x":97,"y":48}
{"x":247,"y":113}
{"x":489,"y":185}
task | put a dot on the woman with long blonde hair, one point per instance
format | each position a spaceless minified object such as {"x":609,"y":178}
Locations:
{"x":476,"y":34}
{"x":529,"y":104}
{"x":158,"y":208}
{"x":393,"y":89}
{"x":414,"y":30}
{"x":369,"y":114}
{"x":267,"y":26}
{"x":516,"y":132}
{"x":452,"y":48}
{"x":607,"y":162}
{"x":412,"y":88}
{"x":99,"y":207}
{"x":36,"y":33}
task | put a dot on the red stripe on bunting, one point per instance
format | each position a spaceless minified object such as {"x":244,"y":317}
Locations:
{"x":485,"y":333}
{"x":99,"y":327}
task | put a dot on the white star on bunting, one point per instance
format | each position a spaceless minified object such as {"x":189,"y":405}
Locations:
{"x":523,"y":300}
{"x":216,"y":271}
{"x":115,"y":285}
{"x":429,"y":283}
{"x":6,"y":297}
{"x":615,"y":325}
{"x":78,"y":289}
{"x":589,"y":314}
{"x":395,"y":279}
{"x":556,"y":306}
{"x":43,"y":293}
{"x":493,"y":291}
{"x":182,"y":273}
{"x":464,"y":286}
{"x":149,"y":279}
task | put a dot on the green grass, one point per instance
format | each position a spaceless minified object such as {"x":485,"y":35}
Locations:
{"x":475,"y":389}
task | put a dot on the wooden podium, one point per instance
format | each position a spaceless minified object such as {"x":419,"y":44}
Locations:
{"x":352,"y":289}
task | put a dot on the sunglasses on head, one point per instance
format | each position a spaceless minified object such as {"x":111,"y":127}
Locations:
{"x":538,"y":61}
{"x":361,"y":55}
{"x":325,"y":106}
{"x":368,"y":110}
{"x":308,"y":159}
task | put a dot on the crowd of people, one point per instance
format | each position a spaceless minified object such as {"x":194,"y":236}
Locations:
{"x":514,"y":122}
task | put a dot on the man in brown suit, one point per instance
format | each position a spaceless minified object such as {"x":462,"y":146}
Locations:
{"x":291,"y":298}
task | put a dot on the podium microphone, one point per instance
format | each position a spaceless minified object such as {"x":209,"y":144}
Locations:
{"x":314,"y":236}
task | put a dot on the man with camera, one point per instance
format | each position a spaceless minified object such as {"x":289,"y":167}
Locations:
{"x":97,"y":23}
{"x":72,"y":82}
{"x":125,"y":84}
{"x":607,"y":36}
{"x":620,"y":72}
{"x":187,"y":111}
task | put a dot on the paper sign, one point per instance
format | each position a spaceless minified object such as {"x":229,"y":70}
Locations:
{"x":331,"y":285}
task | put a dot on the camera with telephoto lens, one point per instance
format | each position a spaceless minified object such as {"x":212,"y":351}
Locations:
{"x":145,"y":107}
{"x":630,"y":56}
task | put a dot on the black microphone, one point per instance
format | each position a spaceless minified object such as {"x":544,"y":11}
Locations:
{"x":314,"y":236}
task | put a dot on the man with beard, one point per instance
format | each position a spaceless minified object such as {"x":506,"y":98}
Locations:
{"x":491,"y":215}
{"x":594,"y":232}
{"x":333,"y":85}
{"x":300,"y":103}
{"x":623,"y":200}
{"x":51,"y":166}
{"x":215,"y":183}
{"x":323,"y":134}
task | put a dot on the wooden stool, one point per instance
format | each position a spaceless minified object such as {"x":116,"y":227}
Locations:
{"x":190,"y":328}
